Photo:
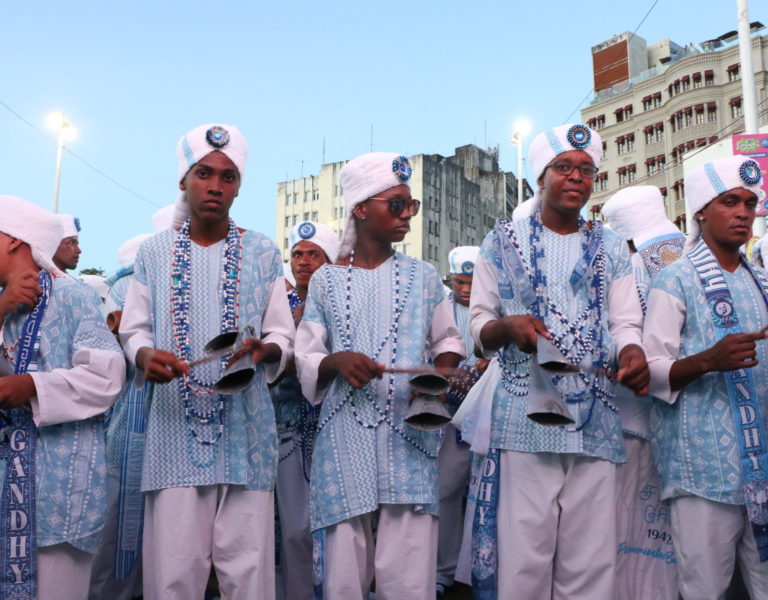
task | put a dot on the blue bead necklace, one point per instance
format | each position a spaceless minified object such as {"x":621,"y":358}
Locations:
{"x":199,"y":409}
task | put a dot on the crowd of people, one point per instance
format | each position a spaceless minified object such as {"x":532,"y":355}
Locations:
{"x":210,"y":411}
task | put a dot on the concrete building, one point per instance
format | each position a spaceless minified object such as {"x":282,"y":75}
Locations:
{"x":655,"y":103}
{"x":461,"y":196}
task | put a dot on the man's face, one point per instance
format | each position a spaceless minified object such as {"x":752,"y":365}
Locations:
{"x":67,"y":254}
{"x":380,"y":222}
{"x":727,"y":220}
{"x":211,"y":186}
{"x":567,"y":194}
{"x":462,"y":288}
{"x":306,"y":258}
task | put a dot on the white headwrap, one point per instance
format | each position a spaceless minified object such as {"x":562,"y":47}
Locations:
{"x":126,"y":253}
{"x":637,"y":213}
{"x":364,"y":177}
{"x":288,"y":274}
{"x":163,"y":218}
{"x":199,"y":143}
{"x":553,"y":142}
{"x":70,"y":226}
{"x":317,"y":233}
{"x":526,"y":209}
{"x":39,"y":228}
{"x":98,"y":283}
{"x":461,"y":260}
{"x":706,"y":182}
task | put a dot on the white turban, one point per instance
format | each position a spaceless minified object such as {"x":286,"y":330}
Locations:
{"x":364,"y":177}
{"x":199,"y":143}
{"x":288,"y":274}
{"x":317,"y":233}
{"x":126,"y":253}
{"x":526,"y":209}
{"x":637,"y":213}
{"x":70,"y":226}
{"x":32,"y":224}
{"x":163,"y":218}
{"x":98,"y":283}
{"x":461,"y":260}
{"x":706,"y":182}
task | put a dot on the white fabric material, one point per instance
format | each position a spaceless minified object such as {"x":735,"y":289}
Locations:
{"x":98,"y":283}
{"x":292,"y":493}
{"x":637,"y":213}
{"x":83,"y":391}
{"x":461,"y":255}
{"x":623,"y":307}
{"x":403,"y":558}
{"x":453,"y":471}
{"x":312,"y":344}
{"x":63,"y":573}
{"x":709,"y":538}
{"x":473,"y":418}
{"x":556,"y":526}
{"x":541,"y":152}
{"x":661,"y":340}
{"x":701,"y":188}
{"x":186,"y":529}
{"x":136,"y":325}
{"x":526,"y":209}
{"x":163,"y":218}
{"x":69,"y":226}
{"x":126,"y":253}
{"x":323,"y":236}
{"x":288,"y":274}
{"x":362,"y":178}
{"x":39,"y":228}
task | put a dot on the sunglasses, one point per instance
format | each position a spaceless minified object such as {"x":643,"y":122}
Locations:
{"x":398,"y":205}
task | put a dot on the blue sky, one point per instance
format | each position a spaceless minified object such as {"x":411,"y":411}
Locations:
{"x":429,"y":76}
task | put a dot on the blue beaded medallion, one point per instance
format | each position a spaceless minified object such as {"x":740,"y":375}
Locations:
{"x":402,"y":168}
{"x":77,"y":224}
{"x":307,"y":230}
{"x":749,"y":171}
{"x":467,"y":267}
{"x":579,"y":136}
{"x":217,"y":136}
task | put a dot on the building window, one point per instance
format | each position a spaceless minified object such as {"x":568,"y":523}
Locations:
{"x":605,"y":150}
{"x":600,"y":184}
{"x":630,"y":142}
{"x":647,"y":103}
{"x":685,"y":83}
{"x":631,"y":174}
{"x":314,"y":215}
{"x":649,"y":136}
{"x":306,"y":216}
{"x":709,"y":78}
{"x":294,"y":219}
{"x":657,"y":100}
{"x":711,"y":112}
{"x":659,"y":128}
{"x":287,"y":221}
{"x":285,"y":243}
{"x":600,"y":122}
{"x":699,"y":114}
{"x":736,"y":110}
{"x":621,"y":146}
{"x":287,"y":199}
{"x":688,"y":117}
{"x":295,"y":198}
{"x":622,"y":175}
{"x":734,"y":72}
{"x":697,"y":81}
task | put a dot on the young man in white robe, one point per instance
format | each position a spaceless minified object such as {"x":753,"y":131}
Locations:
{"x":374,"y":312}
{"x":705,"y":338}
{"x":544,"y":524}
{"x":210,"y":459}
{"x":61,"y":369}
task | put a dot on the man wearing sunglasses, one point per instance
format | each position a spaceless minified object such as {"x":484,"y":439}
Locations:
{"x":374,"y":312}
{"x":546,"y":502}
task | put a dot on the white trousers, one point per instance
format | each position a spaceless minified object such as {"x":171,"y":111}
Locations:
{"x":453,"y":469}
{"x":189,"y":528}
{"x":63,"y":573}
{"x":709,"y":537}
{"x":556,"y":526}
{"x":295,"y":577}
{"x":402,"y":558}
{"x":103,"y":582}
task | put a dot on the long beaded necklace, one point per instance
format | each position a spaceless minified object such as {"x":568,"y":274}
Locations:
{"x":209,"y":413}
{"x":590,"y":319}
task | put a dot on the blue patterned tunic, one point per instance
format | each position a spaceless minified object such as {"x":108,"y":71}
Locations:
{"x":80,"y":355}
{"x":356,"y":468}
{"x":246,"y":452}
{"x":694,"y":443}
{"x":597,"y":431}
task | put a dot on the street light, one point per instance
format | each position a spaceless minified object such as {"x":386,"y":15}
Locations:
{"x":522,"y":128}
{"x":57,"y":122}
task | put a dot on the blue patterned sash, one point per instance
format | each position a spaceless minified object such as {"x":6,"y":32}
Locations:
{"x":18,"y":535}
{"x":484,"y":531}
{"x":130,"y":506}
{"x":318,"y":562}
{"x":741,"y":391}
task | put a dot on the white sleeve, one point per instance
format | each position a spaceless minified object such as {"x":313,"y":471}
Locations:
{"x":661,"y":339}
{"x":136,"y":323}
{"x":311,"y":349}
{"x":625,"y":315}
{"x":485,"y":302}
{"x":277,"y":327}
{"x":444,"y":335}
{"x":87,"y":389}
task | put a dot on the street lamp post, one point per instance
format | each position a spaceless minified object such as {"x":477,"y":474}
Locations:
{"x":57,"y":122}
{"x":522,"y":128}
